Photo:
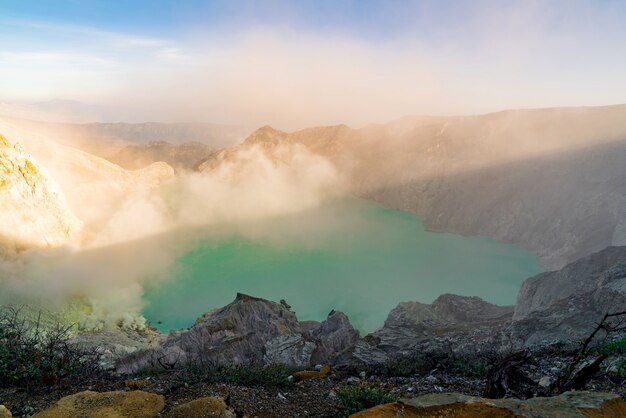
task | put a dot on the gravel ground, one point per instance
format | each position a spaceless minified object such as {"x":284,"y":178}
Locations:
{"x":309,"y":398}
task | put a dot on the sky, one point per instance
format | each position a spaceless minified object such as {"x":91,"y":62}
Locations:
{"x":294,"y":64}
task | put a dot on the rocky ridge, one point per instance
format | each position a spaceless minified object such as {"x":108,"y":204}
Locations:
{"x":567,"y":304}
{"x":250,"y":330}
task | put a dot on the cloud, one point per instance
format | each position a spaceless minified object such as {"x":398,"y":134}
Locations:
{"x":461,"y":58}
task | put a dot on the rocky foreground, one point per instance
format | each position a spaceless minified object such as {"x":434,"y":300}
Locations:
{"x":255,"y":358}
{"x":143,"y":404}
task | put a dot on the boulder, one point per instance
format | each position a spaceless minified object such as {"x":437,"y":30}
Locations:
{"x":4,"y":412}
{"x":569,"y":404}
{"x":135,"y":404}
{"x":208,"y":406}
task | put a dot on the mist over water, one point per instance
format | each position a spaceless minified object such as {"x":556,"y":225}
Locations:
{"x":349,"y":254}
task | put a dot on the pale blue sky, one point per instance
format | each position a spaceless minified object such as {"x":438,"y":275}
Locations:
{"x":298,"y":63}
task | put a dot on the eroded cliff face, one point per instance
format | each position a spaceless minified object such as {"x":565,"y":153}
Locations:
{"x":33,"y":211}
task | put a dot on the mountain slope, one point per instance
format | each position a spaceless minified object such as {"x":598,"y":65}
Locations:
{"x":549,"y":180}
{"x":33,"y":212}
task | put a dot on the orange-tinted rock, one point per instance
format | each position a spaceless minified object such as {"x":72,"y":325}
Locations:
{"x":569,"y":404}
{"x":135,"y":404}
{"x":311,"y":374}
{"x":4,"y":412}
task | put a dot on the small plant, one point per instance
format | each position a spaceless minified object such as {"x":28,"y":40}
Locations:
{"x":357,"y":398}
{"x":617,"y":347}
{"x":32,"y":355}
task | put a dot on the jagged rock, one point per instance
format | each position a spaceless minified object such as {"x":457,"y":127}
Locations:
{"x":334,"y":338}
{"x":135,"y":404}
{"x":564,"y":305}
{"x":4,"y":412}
{"x":569,"y":404}
{"x":33,"y":211}
{"x":235,"y":334}
{"x":208,"y":406}
{"x":604,"y":268}
{"x":251,"y":330}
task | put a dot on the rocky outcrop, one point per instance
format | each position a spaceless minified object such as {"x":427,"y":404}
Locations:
{"x":33,"y":212}
{"x":562,"y":306}
{"x":249,"y":330}
{"x":135,"y":404}
{"x":334,"y":339}
{"x":565,"y":305}
{"x":569,"y":404}
{"x":583,"y":276}
{"x":451,"y":322}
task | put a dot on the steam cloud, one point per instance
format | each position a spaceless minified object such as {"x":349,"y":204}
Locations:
{"x":139,"y":234}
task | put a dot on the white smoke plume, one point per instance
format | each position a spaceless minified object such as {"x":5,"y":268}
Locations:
{"x":138,"y":232}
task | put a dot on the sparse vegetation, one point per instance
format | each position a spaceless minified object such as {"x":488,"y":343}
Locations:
{"x":359,"y":397}
{"x":617,"y":347}
{"x":33,"y":356}
{"x":473,"y":365}
{"x":575,"y":377}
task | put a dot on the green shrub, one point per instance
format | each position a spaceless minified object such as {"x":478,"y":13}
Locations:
{"x":617,"y":347}
{"x":32,"y":355}
{"x":359,"y":397}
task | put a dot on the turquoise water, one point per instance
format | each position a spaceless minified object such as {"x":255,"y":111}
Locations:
{"x":350,"y":255}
